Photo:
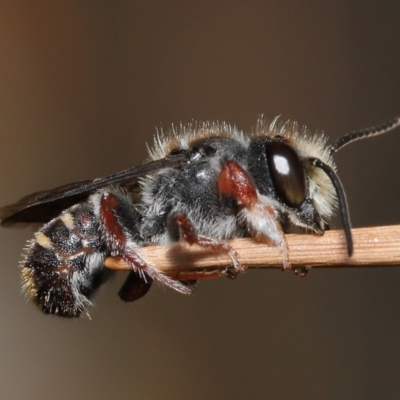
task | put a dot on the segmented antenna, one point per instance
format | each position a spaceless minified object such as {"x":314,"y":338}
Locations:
{"x":364,"y":133}
{"x":344,"y":209}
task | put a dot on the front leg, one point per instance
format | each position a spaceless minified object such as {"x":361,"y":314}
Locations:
{"x":255,"y":211}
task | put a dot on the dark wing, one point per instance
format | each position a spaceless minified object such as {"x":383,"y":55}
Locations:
{"x":45,"y":205}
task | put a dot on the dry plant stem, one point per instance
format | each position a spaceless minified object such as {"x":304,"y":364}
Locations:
{"x":372,"y":247}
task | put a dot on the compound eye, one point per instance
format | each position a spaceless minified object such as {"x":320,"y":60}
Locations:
{"x":287,"y":172}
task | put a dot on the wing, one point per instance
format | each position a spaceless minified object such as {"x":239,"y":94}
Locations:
{"x":45,"y":205}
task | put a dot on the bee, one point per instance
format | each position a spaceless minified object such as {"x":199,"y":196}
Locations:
{"x":204,"y":183}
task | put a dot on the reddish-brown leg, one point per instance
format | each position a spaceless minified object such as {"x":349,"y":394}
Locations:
{"x":189,"y":234}
{"x":236,"y":186}
{"x":186,"y":276}
{"x":120,"y":241}
{"x":196,"y":275}
{"x":235,"y":183}
{"x":134,"y":287}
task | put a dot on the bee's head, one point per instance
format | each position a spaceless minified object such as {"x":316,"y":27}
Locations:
{"x":298,"y":171}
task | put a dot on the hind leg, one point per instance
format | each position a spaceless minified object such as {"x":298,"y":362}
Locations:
{"x":119,"y":227}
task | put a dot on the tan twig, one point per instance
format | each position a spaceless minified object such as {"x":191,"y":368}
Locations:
{"x":372,"y":247}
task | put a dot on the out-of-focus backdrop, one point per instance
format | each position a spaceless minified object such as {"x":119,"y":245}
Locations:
{"x":83,"y":86}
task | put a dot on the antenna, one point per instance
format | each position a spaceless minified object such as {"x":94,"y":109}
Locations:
{"x":364,"y":133}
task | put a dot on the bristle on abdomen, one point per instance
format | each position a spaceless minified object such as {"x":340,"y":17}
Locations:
{"x":63,"y":264}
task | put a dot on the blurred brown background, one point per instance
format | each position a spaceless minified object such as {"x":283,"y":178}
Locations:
{"x":83,"y":86}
